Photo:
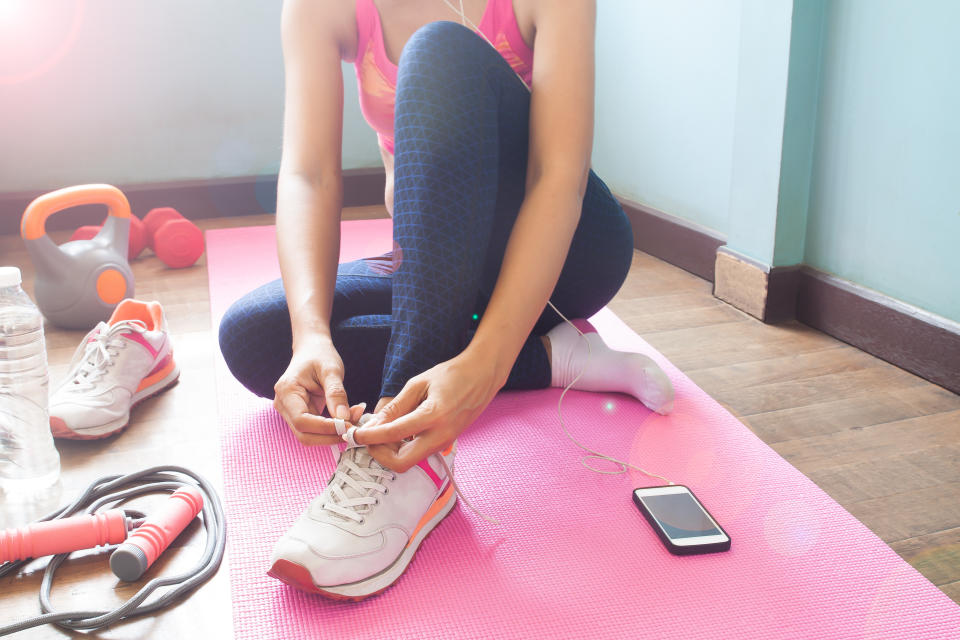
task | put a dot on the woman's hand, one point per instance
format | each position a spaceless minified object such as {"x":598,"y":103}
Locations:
{"x":433,"y":408}
{"x":313,"y":378}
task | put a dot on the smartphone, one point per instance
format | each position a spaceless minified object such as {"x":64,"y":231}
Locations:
{"x":683,"y":524}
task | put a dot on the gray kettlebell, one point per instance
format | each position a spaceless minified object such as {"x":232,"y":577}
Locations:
{"x":79,"y":283}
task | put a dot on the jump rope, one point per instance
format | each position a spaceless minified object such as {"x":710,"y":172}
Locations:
{"x":67,"y":529}
{"x":80,"y":525}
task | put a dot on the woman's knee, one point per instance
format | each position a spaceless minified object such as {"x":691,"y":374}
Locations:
{"x":442,"y":43}
{"x":254,"y":337}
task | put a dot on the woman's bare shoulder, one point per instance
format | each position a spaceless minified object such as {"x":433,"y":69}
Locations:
{"x":327,"y":19}
{"x":530,"y":12}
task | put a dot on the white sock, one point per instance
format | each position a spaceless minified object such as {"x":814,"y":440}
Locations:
{"x":607,"y":370}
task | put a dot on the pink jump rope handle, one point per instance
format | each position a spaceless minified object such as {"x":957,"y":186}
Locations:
{"x":148,"y":541}
{"x":83,"y":531}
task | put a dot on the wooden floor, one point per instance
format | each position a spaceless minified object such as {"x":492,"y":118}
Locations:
{"x":882,"y":442}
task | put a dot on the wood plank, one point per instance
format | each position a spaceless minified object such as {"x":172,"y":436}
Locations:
{"x":857,"y":445}
{"x":911,"y":513}
{"x":648,"y":323}
{"x":806,"y":391}
{"x":655,"y":305}
{"x":952,"y":590}
{"x":796,"y":366}
{"x":651,"y":277}
{"x":935,"y":555}
{"x":829,"y":416}
{"x":735,"y":342}
{"x":876,"y":478}
{"x":928,"y":398}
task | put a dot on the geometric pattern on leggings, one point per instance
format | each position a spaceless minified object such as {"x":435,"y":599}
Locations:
{"x":447,"y":131}
{"x":461,"y":126}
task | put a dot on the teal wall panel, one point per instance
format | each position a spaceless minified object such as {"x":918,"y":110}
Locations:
{"x":885,"y":197}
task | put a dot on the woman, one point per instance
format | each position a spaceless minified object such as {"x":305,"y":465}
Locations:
{"x":495,"y":212}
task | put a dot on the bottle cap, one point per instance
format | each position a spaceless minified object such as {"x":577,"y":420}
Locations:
{"x":10,"y":276}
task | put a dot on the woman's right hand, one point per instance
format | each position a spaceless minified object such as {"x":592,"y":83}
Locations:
{"x":314,"y":379}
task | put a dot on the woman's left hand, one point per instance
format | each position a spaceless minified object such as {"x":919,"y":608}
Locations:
{"x":433,"y":408}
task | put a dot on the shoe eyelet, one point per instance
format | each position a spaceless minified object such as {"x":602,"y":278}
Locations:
{"x":386,"y":491}
{"x":362,"y":520}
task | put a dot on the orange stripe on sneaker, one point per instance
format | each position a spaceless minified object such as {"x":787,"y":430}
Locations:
{"x":156,"y":376}
{"x":434,"y":509}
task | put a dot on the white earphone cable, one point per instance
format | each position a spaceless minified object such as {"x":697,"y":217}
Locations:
{"x":591,"y":454}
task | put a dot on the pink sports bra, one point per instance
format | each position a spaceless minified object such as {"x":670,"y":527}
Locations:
{"x":377,"y":75}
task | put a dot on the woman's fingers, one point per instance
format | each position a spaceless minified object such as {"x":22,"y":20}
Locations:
{"x":409,"y":398}
{"x":299,"y":412}
{"x":336,"y":396}
{"x":313,"y":440}
{"x":409,"y":454}
{"x":289,"y":403}
{"x":310,"y":424}
{"x":356,"y":411}
{"x":406,"y":426}
{"x":406,"y":415}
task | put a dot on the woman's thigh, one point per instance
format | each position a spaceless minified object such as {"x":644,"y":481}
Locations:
{"x":255,"y":334}
{"x":598,"y":261}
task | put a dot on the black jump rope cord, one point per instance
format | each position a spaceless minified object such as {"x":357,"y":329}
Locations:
{"x":111,"y":491}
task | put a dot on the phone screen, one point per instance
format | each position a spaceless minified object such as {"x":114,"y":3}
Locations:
{"x":680,"y":516}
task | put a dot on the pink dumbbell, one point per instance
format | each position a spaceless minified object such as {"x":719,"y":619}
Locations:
{"x":176,"y":241}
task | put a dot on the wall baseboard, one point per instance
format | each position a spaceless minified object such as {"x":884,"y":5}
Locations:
{"x":195,"y":199}
{"x":911,"y":338}
{"x":681,"y":243}
{"x":906,"y":336}
{"x":767,"y":293}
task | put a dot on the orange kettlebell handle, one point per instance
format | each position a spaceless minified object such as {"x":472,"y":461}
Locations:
{"x":34,"y":222}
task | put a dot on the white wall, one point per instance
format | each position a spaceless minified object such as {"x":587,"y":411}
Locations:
{"x":147,"y":92}
{"x":665,"y":103}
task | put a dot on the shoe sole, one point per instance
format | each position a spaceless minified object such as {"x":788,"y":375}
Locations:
{"x":99,"y":432}
{"x":298,"y":576}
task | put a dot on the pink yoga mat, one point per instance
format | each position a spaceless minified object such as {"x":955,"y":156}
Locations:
{"x":573,"y":558}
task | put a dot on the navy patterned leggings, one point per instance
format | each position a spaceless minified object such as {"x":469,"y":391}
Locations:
{"x":461,"y":136}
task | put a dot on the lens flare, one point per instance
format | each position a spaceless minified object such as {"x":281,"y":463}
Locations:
{"x":35,"y":36}
{"x":9,"y":10}
{"x":791,"y":527}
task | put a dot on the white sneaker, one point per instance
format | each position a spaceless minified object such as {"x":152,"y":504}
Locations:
{"x":121,"y":362}
{"x":358,"y":536}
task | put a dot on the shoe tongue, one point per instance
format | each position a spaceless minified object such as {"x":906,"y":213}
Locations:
{"x":125,"y":326}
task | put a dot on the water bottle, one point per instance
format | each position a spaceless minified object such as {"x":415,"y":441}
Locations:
{"x":29,"y":462}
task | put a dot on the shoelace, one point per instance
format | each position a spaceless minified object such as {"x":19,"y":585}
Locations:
{"x":358,"y":477}
{"x":350,"y":493}
{"x":347,"y":434}
{"x":100,"y":351}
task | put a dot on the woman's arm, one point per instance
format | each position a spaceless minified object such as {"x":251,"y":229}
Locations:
{"x":561,"y":137}
{"x":309,"y":194}
{"x":442,"y":402}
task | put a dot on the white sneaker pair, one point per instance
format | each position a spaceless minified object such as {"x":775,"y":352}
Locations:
{"x":119,"y":363}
